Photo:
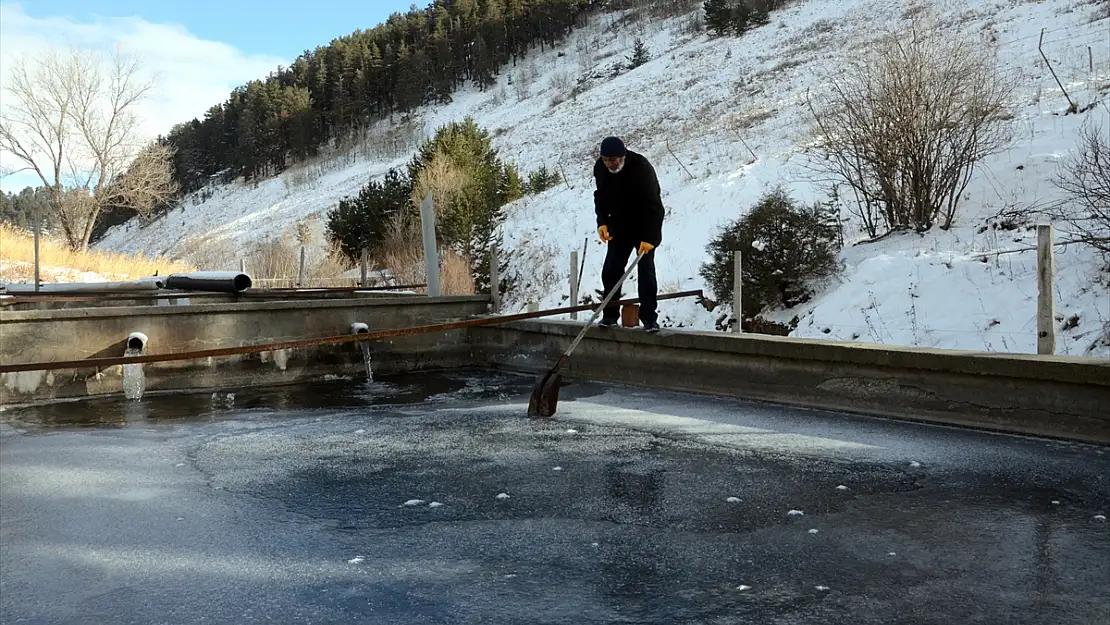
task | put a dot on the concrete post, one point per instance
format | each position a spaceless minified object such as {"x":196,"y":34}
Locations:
{"x":363,"y":272}
{"x":533,"y":306}
{"x":300,"y":271}
{"x":431,"y":256}
{"x":1046,"y":333}
{"x":574,"y":282}
{"x":494,"y":280}
{"x":737,"y":301}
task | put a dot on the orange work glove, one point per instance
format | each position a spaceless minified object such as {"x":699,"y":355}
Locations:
{"x":646,"y":247}
{"x":603,"y":232}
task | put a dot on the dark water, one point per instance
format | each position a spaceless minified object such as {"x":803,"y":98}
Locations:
{"x":273,"y":401}
{"x":313,"y":504}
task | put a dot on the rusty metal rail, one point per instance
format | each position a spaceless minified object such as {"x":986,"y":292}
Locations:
{"x":315,"y":342}
{"x":289,"y":293}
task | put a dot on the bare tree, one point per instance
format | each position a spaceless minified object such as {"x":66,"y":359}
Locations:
{"x":905,"y":124}
{"x":1084,"y":177}
{"x":73,"y":123}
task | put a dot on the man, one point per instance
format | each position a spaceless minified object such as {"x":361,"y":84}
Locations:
{"x":630,"y":219}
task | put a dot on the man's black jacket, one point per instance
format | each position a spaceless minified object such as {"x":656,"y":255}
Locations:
{"x":629,"y":202}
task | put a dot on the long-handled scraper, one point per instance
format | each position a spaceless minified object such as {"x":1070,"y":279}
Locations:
{"x":545,"y":393}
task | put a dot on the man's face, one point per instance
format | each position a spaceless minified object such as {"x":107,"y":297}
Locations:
{"x":613,"y":163}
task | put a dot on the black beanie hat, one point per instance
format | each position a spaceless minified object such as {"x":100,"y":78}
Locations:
{"x":612,"y":146}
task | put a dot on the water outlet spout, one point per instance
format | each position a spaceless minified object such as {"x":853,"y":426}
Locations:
{"x":364,"y":347}
{"x":136,"y":343}
{"x":133,"y":381}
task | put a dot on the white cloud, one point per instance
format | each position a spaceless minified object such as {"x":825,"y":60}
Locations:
{"x":192,"y":74}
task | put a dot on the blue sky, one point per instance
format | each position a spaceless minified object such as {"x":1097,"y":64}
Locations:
{"x":283,"y":28}
{"x":197,"y":50}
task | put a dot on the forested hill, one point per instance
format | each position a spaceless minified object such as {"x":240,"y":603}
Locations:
{"x":413,"y":59}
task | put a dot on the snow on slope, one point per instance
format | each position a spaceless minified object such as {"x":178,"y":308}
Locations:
{"x":723,"y":121}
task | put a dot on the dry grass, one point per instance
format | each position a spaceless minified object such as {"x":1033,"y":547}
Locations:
{"x":277,"y":263}
{"x":17,"y":257}
{"x":402,"y":250}
{"x":443,"y":179}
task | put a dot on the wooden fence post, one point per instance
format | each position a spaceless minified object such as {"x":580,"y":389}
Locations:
{"x":574,"y":282}
{"x":300,"y":271}
{"x":1046,"y":332}
{"x":494,"y":280}
{"x":737,"y":301}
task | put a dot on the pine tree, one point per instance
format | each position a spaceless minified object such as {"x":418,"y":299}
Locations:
{"x":740,"y":19}
{"x":758,"y":16}
{"x":718,"y":16}
{"x":640,"y":54}
{"x":360,"y":223}
{"x":410,"y":59}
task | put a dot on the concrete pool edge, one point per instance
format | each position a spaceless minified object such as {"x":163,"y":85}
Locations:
{"x":1055,"y":397}
{"x":65,"y":334}
{"x":1048,"y":396}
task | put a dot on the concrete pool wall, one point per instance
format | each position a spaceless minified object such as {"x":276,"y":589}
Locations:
{"x":75,"y":333}
{"x":1065,"y":397}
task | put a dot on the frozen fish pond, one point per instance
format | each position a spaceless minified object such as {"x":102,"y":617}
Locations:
{"x":432,"y":498}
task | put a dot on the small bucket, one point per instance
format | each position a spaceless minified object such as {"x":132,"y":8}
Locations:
{"x":630,"y":315}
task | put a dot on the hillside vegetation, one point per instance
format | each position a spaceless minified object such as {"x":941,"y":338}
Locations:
{"x":730,"y":116}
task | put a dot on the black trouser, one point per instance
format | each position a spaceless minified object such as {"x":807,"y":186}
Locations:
{"x":616,"y":262}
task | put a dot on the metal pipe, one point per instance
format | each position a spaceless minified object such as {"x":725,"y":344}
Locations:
{"x":136,"y":342}
{"x":217,"y":281}
{"x":324,"y":340}
{"x":142,"y":284}
{"x":359,"y":328}
{"x":94,"y":295}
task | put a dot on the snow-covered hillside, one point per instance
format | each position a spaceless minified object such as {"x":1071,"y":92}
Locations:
{"x":723,"y":121}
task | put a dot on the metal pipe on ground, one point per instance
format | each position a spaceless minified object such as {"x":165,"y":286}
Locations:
{"x":325,"y":340}
{"x":216,"y":281}
{"x":140,"y":285}
{"x":94,"y":296}
{"x":143,"y":293}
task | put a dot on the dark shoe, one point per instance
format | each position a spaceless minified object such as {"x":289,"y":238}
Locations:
{"x":651,"y":326}
{"x":607,"y":323}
